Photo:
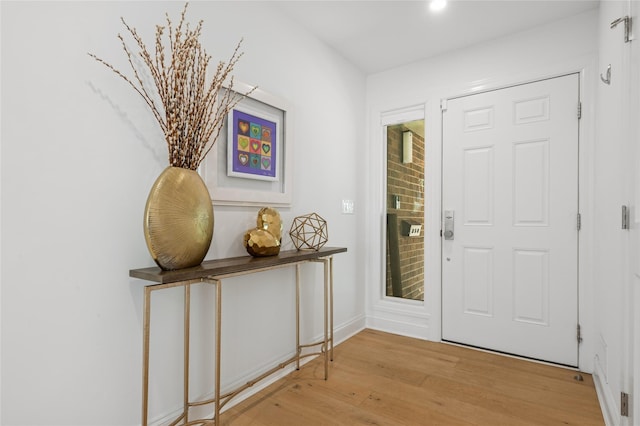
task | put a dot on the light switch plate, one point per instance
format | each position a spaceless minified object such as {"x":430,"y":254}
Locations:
{"x":347,"y":206}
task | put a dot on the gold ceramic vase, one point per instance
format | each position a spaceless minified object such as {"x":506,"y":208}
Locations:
{"x":178,"y":219}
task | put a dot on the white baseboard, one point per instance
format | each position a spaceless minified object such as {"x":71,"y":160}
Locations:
{"x":349,"y":329}
{"x":605,"y":397}
{"x":402,"y":328}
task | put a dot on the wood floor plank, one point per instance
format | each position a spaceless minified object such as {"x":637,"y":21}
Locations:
{"x":378,"y":378}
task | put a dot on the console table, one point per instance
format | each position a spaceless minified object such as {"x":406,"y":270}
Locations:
{"x":213,"y":272}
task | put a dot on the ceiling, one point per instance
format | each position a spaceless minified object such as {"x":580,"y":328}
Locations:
{"x":378,"y":35}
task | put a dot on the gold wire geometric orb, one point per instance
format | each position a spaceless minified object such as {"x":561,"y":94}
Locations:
{"x":309,"y":232}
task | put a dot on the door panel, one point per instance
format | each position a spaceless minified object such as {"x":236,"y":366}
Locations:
{"x":510,"y":174}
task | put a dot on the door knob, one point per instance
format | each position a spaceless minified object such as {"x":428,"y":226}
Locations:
{"x":448,"y":224}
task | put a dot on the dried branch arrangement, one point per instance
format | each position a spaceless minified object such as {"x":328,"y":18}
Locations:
{"x":190,"y":111}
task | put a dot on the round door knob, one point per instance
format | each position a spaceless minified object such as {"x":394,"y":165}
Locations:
{"x":448,"y":234}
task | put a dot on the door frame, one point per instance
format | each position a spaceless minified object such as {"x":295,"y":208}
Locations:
{"x":634,"y":11}
{"x":425,"y":321}
{"x":393,"y":314}
{"x":586,"y":132}
{"x":444,"y":107}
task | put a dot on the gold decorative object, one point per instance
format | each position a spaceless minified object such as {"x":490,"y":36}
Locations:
{"x":265,"y":239}
{"x":309,"y":232}
{"x":178,"y":219}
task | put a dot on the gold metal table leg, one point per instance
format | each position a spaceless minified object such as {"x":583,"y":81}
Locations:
{"x":187,"y":320}
{"x":145,"y":355}
{"x":298,"y":348}
{"x":331,"y":305}
{"x":326,"y":318}
{"x":218,"y":284}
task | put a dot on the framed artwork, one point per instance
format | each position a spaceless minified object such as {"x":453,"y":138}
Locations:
{"x":252,"y":151}
{"x":251,"y":162}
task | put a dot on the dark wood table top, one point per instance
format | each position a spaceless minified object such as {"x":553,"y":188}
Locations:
{"x":231,"y":265}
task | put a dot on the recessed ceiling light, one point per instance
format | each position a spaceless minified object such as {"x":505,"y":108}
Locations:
{"x":437,"y":5}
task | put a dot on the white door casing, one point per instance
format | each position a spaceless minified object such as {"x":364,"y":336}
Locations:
{"x":634,"y":111}
{"x":510,"y":175}
{"x":616,"y":252}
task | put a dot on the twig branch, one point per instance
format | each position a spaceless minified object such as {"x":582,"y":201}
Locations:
{"x":190,"y":112}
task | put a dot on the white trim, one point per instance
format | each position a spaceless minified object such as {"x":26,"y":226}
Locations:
{"x":500,"y":85}
{"x":607,"y":401}
{"x":433,"y":192}
{"x":349,"y":329}
{"x":402,"y":115}
{"x":402,"y":328}
{"x":586,"y":66}
{"x":634,"y":137}
{"x":384,"y":313}
{"x":583,"y":66}
{"x":635,"y":397}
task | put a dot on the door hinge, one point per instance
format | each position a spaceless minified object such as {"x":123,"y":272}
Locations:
{"x":625,"y":217}
{"x":579,"y":334}
{"x":443,"y":105}
{"x":624,"y":404}
{"x":579,"y":221}
{"x":579,"y":110}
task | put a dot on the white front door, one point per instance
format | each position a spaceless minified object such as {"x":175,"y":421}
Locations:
{"x":510,"y":187}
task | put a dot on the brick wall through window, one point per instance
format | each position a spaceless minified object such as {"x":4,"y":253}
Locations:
{"x":406,"y":182}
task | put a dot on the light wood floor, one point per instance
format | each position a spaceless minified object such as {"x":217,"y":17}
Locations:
{"x":384,"y":379}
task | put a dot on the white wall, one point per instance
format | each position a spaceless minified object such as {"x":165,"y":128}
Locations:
{"x":80,"y":152}
{"x":569,"y":45}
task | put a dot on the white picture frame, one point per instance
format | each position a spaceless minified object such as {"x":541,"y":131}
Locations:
{"x":228,"y":189}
